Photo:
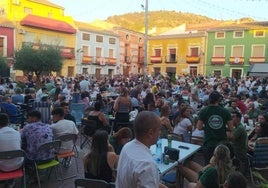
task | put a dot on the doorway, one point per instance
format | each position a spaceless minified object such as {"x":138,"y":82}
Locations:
{"x":98,"y":74}
{"x":236,"y":73}
{"x":193,"y":70}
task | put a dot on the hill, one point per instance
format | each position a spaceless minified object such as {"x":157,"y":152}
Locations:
{"x":157,"y":19}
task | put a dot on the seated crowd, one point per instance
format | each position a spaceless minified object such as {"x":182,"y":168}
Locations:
{"x":226,"y":114}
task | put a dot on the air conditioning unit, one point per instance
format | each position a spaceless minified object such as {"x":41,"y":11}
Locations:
{"x":21,"y":31}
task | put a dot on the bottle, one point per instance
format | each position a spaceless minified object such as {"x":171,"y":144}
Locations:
{"x":169,"y":138}
{"x":158,"y":152}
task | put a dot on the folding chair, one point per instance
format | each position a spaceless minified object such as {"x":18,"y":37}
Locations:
{"x":44,"y":108}
{"x":67,"y":156}
{"x":77,"y":110}
{"x":259,"y":161}
{"x":91,"y":183}
{"x":89,"y":127}
{"x":45,"y":148}
{"x":19,"y":173}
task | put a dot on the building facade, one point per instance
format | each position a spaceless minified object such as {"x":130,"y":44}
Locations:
{"x":233,"y":48}
{"x":97,"y":51}
{"x":177,"y":54}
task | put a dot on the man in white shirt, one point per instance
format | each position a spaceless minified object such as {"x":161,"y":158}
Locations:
{"x":136,"y":167}
{"x":10,"y":140}
{"x":62,"y":126}
{"x":84,"y":84}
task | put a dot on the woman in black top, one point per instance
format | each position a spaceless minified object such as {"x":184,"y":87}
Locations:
{"x":101,"y":160}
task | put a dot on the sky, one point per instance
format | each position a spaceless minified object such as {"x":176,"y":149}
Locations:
{"x":90,"y":10}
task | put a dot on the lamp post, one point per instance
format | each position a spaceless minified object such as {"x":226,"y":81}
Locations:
{"x":145,"y":41}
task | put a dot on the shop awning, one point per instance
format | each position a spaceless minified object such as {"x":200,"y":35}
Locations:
{"x":47,"y":23}
{"x":258,"y":69}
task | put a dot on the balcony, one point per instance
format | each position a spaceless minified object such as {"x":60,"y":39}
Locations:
{"x":217,"y":60}
{"x":156,"y":59}
{"x":253,"y":60}
{"x":192,"y":59}
{"x":100,"y":61}
{"x":171,"y":59}
{"x":111,"y":61}
{"x":67,"y":53}
{"x":236,"y":60}
{"x":87,"y":60}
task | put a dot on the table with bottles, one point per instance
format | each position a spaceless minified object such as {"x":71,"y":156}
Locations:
{"x":186,"y":151}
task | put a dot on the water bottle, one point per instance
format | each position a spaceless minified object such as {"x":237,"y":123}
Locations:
{"x":158,"y":151}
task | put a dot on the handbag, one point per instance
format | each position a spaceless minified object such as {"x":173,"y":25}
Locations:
{"x":173,"y":153}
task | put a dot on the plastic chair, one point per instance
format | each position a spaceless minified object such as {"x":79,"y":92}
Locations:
{"x":19,"y":173}
{"x":91,"y":183}
{"x":89,"y":127}
{"x":259,"y":161}
{"x":44,"y":148}
{"x":77,"y":110}
{"x":67,"y":156}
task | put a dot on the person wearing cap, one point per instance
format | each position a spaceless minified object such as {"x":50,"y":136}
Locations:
{"x":213,"y":120}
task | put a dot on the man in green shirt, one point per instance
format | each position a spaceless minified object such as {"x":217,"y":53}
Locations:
{"x":213,"y":119}
{"x":239,"y":140}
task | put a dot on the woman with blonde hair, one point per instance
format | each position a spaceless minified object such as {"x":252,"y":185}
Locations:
{"x":184,"y":124}
{"x":214,"y":174}
{"x":120,"y":138}
{"x":164,"y":117}
{"x":122,"y":106}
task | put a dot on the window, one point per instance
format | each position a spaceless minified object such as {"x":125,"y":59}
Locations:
{"x":237,"y":51}
{"x":219,"y":51}
{"x":157,"y":52}
{"x":172,"y":55}
{"x":238,"y":34}
{"x":99,"y":38}
{"x":217,"y":73}
{"x":194,"y":51}
{"x":98,"y":52}
{"x":220,"y":35}
{"x":85,"y":36}
{"x":259,"y":34}
{"x":111,"y":53}
{"x":111,"y":40}
{"x":85,"y":50}
{"x":258,"y":51}
{"x":28,"y":10}
{"x":3,"y":46}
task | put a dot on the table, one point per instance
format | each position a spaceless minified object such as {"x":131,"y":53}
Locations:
{"x":184,"y":154}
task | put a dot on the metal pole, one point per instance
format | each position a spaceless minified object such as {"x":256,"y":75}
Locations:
{"x":145,"y":41}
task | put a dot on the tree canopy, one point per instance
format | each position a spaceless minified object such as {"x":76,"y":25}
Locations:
{"x":39,"y":60}
{"x":4,"y":69}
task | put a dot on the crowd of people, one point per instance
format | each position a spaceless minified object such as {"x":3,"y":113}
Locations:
{"x":222,"y":111}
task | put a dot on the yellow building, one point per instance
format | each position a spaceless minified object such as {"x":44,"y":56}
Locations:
{"x":177,"y":52}
{"x":39,"y":21}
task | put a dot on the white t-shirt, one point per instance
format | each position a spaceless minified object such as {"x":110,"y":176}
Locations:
{"x":181,"y":128}
{"x":10,"y":139}
{"x":136,"y":167}
{"x":64,"y":127}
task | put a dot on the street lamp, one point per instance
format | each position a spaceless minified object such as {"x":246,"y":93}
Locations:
{"x":145,"y":41}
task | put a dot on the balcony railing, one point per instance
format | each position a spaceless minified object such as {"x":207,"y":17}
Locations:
{"x":192,"y":59}
{"x":111,"y":61}
{"x":253,"y":60}
{"x":236,"y":60}
{"x":156,"y":59}
{"x":87,"y":59}
{"x":171,"y":59}
{"x":217,"y":60}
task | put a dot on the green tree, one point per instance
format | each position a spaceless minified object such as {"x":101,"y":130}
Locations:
{"x":40,"y":61}
{"x":4,"y":69}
